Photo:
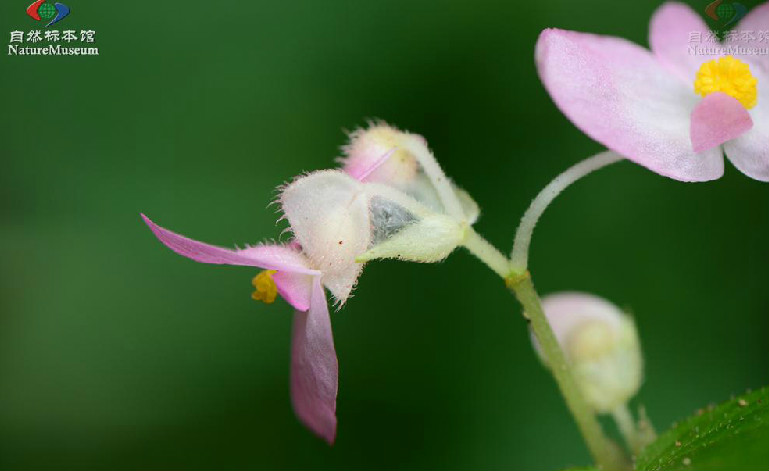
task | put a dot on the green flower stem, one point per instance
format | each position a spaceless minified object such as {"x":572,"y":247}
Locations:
{"x":627,"y":428}
{"x":520,"y":255}
{"x":487,"y":253}
{"x":637,"y":434}
{"x":607,"y":455}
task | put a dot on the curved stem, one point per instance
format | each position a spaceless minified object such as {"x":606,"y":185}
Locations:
{"x":520,"y":255}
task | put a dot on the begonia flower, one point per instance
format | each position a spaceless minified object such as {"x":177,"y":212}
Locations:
{"x":289,"y":273}
{"x":675,"y":109}
{"x":337,"y":223}
{"x":393,"y":201}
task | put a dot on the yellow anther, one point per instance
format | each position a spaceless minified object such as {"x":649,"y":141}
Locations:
{"x":264,"y":287}
{"x":728,"y":75}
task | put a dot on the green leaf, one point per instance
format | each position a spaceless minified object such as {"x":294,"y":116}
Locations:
{"x":733,"y":435}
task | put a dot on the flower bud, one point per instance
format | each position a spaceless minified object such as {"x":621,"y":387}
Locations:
{"x":383,"y":154}
{"x":600,"y":343}
{"x":379,"y":155}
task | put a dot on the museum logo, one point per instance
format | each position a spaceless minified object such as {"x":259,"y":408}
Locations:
{"x":51,"y":42}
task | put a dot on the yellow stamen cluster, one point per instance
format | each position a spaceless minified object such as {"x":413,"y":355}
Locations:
{"x":728,"y":75}
{"x":264,"y":287}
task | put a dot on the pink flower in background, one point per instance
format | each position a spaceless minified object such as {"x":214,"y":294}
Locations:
{"x":314,"y":367}
{"x":674,"y":109}
{"x":600,"y":342}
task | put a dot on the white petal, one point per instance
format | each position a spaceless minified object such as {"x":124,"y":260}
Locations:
{"x":750,"y":152}
{"x":329,"y":216}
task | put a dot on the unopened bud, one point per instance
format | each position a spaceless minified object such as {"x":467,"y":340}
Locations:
{"x":600,"y":343}
{"x":379,"y":155}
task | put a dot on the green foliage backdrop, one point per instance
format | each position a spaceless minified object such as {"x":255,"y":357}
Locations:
{"x":117,"y":354}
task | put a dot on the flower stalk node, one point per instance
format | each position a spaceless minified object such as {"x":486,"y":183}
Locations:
{"x":514,"y":279}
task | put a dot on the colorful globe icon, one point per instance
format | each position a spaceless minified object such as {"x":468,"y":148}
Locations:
{"x":726,"y":11}
{"x":47,"y":11}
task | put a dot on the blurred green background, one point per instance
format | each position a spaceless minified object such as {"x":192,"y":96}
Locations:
{"x":117,"y":354}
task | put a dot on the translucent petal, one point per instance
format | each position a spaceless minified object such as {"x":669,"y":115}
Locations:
{"x":329,"y":216}
{"x":314,"y":367}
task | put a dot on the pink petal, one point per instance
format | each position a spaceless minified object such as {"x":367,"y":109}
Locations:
{"x":363,"y":171}
{"x":670,"y":39}
{"x":295,"y":288}
{"x":716,"y":119}
{"x":567,"y":310}
{"x":756,"y":20}
{"x":314,"y":367}
{"x":287,"y":258}
{"x":618,"y":94}
{"x":267,"y":257}
{"x":750,"y":152}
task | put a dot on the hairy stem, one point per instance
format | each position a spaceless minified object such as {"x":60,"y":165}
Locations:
{"x":435,"y":174}
{"x":520,"y":255}
{"x":607,"y":455}
{"x":487,"y":253}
